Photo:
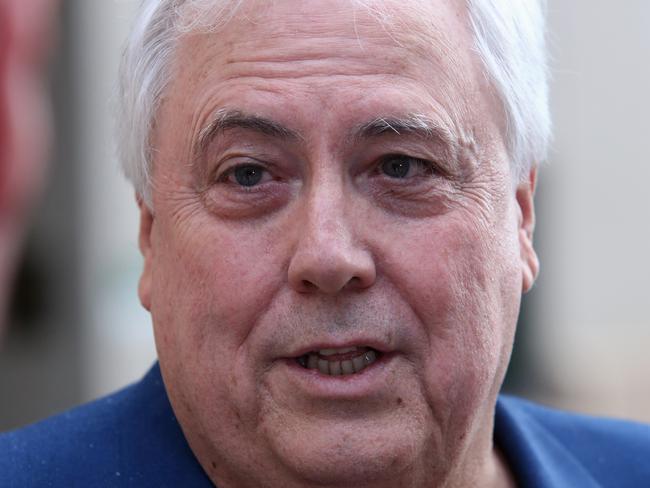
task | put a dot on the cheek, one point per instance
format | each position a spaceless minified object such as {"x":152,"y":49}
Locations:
{"x":461,"y":281}
{"x":211,"y":283}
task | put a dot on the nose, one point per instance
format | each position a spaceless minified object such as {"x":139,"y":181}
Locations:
{"x":329,"y":256}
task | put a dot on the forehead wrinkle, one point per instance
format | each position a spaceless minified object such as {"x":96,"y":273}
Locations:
{"x":290,"y":48}
{"x":348,"y":30}
{"x":311,"y":57}
{"x":416,"y":44}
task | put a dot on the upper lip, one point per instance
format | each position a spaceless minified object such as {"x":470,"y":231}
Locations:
{"x":375,"y":344}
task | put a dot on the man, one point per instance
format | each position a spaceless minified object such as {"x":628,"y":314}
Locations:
{"x":26,"y":31}
{"x":336,"y":205}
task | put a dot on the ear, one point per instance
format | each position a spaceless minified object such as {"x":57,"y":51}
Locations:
{"x":526,"y":225}
{"x":144,"y":242}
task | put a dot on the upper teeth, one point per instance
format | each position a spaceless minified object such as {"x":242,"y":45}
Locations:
{"x":331,"y":352}
{"x":335,"y":367}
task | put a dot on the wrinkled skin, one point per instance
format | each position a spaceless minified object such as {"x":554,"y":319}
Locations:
{"x":327,"y":249}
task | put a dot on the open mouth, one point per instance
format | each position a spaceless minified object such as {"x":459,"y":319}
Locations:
{"x":339,"y":362}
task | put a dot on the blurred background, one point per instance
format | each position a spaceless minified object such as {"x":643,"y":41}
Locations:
{"x":77,"y":330}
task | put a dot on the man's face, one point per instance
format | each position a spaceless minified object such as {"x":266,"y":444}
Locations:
{"x":324,"y":181}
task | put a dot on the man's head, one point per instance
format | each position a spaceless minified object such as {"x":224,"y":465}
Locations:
{"x":336,"y":221}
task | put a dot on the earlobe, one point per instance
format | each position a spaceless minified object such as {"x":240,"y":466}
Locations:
{"x":144,"y":243}
{"x":525,"y":201}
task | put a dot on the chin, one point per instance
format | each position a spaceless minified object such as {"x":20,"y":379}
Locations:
{"x":342,"y":454}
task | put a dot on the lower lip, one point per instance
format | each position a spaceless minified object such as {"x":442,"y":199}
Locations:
{"x":369,"y":381}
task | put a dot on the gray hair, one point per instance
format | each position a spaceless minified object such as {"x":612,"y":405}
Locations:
{"x":509,"y":38}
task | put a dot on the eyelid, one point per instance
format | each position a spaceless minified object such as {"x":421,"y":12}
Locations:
{"x":430,"y":165}
{"x":226,"y":168}
{"x":232,"y":168}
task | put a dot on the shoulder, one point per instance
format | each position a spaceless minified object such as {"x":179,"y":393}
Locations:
{"x":125,"y":439}
{"x":577,"y":429}
{"x":83,"y":442}
{"x":609,"y":451}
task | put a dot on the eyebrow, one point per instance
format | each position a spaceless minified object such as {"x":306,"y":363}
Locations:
{"x":418,"y":125}
{"x":224,"y":119}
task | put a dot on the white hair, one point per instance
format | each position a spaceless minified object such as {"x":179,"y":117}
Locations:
{"x":509,"y":38}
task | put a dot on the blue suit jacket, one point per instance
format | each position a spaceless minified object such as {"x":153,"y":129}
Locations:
{"x":132,"y":438}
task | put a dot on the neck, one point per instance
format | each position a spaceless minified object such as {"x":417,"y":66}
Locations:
{"x":490,"y":470}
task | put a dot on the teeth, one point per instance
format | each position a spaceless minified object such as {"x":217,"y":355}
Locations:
{"x":324,"y":366}
{"x":335,"y":368}
{"x":312,"y":361}
{"x":370,"y":357}
{"x":347,"y":367}
{"x":356,"y":364}
{"x":331,"y":352}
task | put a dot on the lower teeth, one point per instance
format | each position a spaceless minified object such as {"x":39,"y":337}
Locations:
{"x":336,"y":368}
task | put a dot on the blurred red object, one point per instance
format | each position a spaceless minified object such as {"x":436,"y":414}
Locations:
{"x":27,"y":33}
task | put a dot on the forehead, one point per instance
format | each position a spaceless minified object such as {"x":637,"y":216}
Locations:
{"x":417,"y":55}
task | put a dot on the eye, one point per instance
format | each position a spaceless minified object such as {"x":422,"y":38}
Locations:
{"x":400,"y":167}
{"x":246,"y":175}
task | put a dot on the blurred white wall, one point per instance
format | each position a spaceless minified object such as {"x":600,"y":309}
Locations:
{"x":592,"y":322}
{"x":117,"y":341}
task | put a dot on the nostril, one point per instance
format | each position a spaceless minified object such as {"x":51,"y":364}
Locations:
{"x":355,"y":282}
{"x":330,"y":272}
{"x":308,"y":285}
